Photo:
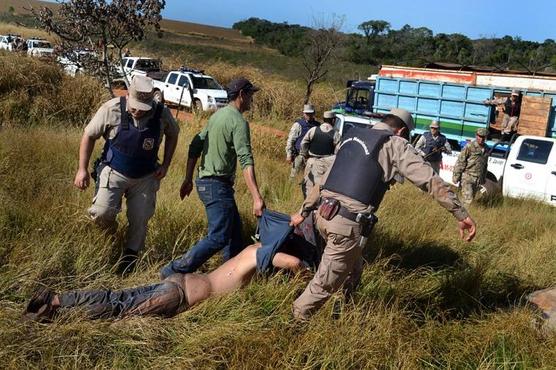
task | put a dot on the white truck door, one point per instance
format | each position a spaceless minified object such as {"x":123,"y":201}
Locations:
{"x":183,"y":92}
{"x":170,"y":93}
{"x":551,"y":183}
{"x":528,"y":171}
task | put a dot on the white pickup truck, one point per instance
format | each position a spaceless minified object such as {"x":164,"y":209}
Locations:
{"x":140,"y":65}
{"x":189,"y":88}
{"x":39,"y":48}
{"x":526,"y":170}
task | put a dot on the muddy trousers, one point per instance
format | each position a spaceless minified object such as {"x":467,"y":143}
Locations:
{"x":340,"y":267}
{"x":167,"y":299}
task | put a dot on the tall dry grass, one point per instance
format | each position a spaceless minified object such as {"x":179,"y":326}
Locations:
{"x":426,"y":299}
{"x":37,"y":92}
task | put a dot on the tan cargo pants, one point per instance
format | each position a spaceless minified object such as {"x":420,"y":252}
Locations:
{"x":341,"y":265}
{"x":297,"y":166}
{"x":314,"y":171}
{"x":141,"y":200}
{"x":509,"y":124}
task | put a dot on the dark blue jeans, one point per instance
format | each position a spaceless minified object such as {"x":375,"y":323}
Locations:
{"x":163,"y":299}
{"x":224,"y":228}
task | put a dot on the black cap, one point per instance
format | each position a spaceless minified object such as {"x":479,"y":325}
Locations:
{"x":238,"y":84}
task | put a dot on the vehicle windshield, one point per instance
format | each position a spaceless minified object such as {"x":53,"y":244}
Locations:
{"x":358,"y":98}
{"x":205,"y":83}
{"x":42,"y":45}
{"x":148,"y":65}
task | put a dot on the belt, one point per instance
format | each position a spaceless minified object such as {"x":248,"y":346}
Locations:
{"x":225,"y":179}
{"x":347,"y":214}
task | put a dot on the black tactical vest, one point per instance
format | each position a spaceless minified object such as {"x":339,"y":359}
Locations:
{"x":322,"y":142}
{"x":356,"y":172}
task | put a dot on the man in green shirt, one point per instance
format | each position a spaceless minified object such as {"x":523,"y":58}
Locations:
{"x":223,"y":142}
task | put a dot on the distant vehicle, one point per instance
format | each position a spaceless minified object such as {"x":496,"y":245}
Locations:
{"x":73,"y":62}
{"x":189,"y":88}
{"x":39,"y":48}
{"x":140,"y":65}
{"x":7,"y":41}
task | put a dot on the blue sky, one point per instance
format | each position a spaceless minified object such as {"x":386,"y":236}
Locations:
{"x":529,"y":19}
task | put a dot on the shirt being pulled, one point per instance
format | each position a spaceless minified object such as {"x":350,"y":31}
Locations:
{"x":223,"y":141}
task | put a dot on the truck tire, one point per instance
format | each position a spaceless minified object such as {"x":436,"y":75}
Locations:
{"x":197,"y":106}
{"x":158,"y":96}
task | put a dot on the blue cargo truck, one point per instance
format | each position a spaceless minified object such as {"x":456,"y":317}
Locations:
{"x":456,"y":100}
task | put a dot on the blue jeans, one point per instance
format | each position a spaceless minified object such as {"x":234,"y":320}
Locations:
{"x":224,"y":228}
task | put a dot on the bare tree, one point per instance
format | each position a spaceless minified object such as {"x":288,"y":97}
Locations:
{"x":322,"y":42}
{"x":98,"y":25}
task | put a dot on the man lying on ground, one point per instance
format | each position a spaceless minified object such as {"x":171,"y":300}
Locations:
{"x":280,"y":247}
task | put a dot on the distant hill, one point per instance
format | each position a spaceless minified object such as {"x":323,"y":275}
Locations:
{"x":185,"y":28}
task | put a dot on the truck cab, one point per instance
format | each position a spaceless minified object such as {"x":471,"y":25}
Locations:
{"x":530,"y":169}
{"x":190,"y":88}
{"x":140,"y":65}
{"x":359,"y":97}
{"x":39,"y":48}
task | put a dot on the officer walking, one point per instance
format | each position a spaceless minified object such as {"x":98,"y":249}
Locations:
{"x":367,"y":162}
{"x":471,"y":167}
{"x":318,"y":147}
{"x":133,"y":128}
{"x":223,"y":142}
{"x":297,"y":132}
{"x":431,"y":145}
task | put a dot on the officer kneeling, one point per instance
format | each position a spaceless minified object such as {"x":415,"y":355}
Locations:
{"x":368,"y":161}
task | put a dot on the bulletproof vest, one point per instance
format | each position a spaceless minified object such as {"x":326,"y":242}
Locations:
{"x":431,"y":143}
{"x":356,"y":172}
{"x":322,"y":143}
{"x":305,"y":126}
{"x":134,"y":152}
{"x":512,"y":112}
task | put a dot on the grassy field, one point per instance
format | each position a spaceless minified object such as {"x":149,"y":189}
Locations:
{"x":427,"y":299}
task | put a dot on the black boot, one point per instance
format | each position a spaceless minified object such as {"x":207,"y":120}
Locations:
{"x":127,"y":261}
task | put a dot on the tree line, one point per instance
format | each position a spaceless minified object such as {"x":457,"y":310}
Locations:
{"x":379,"y":43}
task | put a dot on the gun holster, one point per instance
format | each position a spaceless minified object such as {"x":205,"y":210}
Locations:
{"x":367,"y":223}
{"x":98,"y":165}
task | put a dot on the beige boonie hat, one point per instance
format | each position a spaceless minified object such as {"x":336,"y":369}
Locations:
{"x":329,"y":114}
{"x":405,"y":116}
{"x":434,"y":124}
{"x":515,"y":92}
{"x":309,"y":108}
{"x":140,"y":93}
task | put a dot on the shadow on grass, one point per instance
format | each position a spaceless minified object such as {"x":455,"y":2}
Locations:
{"x":446,"y":286}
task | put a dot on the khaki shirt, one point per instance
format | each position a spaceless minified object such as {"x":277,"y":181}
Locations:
{"x":106,"y":122}
{"x":308,"y":138}
{"x":398,"y":159}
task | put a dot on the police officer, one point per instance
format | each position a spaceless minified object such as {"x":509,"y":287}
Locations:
{"x":471,"y":167}
{"x":297,"y":132}
{"x":431,"y":145}
{"x":367,"y":162}
{"x":133,"y":128}
{"x":318,"y":147}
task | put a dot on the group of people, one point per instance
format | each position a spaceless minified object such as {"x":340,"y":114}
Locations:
{"x":346,"y":182}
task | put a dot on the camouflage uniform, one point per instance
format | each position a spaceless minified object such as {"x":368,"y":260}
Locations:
{"x":341,"y":263}
{"x":470,"y":170}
